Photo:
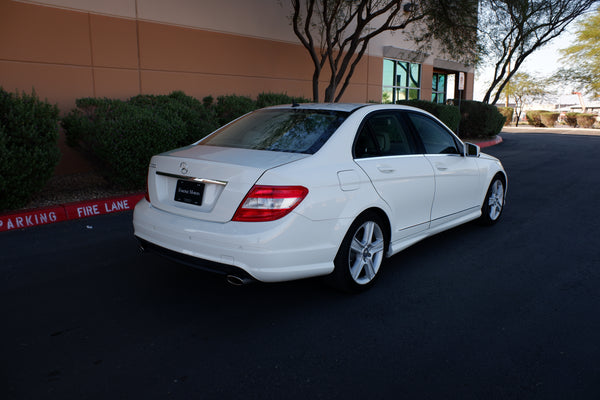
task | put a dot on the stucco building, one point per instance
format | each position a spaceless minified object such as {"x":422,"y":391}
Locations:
{"x":67,"y":49}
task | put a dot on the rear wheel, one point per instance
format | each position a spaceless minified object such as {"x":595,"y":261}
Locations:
{"x":494,"y":202}
{"x":359,"y":258}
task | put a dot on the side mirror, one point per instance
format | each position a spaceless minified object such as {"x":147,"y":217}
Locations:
{"x":471,"y":150}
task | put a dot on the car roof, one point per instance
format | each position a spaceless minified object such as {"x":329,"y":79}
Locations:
{"x":345,"y":107}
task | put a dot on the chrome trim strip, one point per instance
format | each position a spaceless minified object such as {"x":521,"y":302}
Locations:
{"x":191,"y":178}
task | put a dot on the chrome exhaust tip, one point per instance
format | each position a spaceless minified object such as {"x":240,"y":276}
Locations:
{"x":237,"y":280}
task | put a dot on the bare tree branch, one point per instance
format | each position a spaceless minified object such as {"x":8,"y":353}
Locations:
{"x":346,"y":27}
{"x":511,"y":30}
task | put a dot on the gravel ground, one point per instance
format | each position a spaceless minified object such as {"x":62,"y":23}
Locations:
{"x":62,"y":189}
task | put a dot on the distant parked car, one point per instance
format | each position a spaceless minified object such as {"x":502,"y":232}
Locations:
{"x":292,"y":192}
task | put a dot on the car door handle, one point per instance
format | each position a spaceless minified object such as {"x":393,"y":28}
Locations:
{"x":441,"y":167}
{"x":386,"y":170}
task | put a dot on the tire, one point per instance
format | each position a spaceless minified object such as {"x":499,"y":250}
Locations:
{"x":494,"y":202}
{"x":359,"y":258}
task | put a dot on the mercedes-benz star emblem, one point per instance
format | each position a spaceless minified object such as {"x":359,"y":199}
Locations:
{"x":183,"y":168}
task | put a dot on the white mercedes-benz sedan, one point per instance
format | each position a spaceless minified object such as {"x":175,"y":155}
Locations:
{"x":298,"y":191}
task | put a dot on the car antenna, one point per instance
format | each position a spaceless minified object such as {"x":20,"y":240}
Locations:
{"x":295,"y":103}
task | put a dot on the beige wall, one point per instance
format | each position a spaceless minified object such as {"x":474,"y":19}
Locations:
{"x":67,"y":49}
{"x":426,"y":81}
{"x":65,"y":54}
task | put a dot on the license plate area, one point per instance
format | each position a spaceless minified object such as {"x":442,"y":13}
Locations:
{"x":189,"y":192}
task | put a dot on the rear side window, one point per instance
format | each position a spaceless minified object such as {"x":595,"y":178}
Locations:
{"x":435,"y":138}
{"x":292,"y":131}
{"x":383,"y":134}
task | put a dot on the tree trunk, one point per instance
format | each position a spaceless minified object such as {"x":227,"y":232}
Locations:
{"x":315,"y":85}
{"x":330,"y":94}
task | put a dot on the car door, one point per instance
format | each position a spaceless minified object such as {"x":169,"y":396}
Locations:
{"x":387,"y":152}
{"x":456,"y":176}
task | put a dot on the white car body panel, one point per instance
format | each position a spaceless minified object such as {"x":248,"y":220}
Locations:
{"x":236,"y":169}
{"x":457,"y":184}
{"x":268,"y":251}
{"x":392,"y":176}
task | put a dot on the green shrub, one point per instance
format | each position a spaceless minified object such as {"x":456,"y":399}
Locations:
{"x":549,"y":118}
{"x":28,"y":147}
{"x":479,"y":120}
{"x":586,"y":120}
{"x":122,"y":136}
{"x":448,"y":114}
{"x":508,"y":113}
{"x":231,"y":107}
{"x":179,"y":108}
{"x":534,"y":117}
{"x":80,"y":122}
{"x":571,"y":119}
{"x":274,"y":99}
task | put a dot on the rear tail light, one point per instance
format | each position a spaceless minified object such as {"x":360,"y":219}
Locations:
{"x":268,"y":203}
{"x":147,"y":194}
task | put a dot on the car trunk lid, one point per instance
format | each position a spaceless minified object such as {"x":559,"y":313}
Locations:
{"x":208,"y":182}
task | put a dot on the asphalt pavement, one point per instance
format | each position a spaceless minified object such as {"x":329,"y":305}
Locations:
{"x":503,"y":312}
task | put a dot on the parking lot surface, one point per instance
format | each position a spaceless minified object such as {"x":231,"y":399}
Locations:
{"x":505,"y":312}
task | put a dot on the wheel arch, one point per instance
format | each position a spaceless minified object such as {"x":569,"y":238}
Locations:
{"x":486,"y":218}
{"x":502,"y":175}
{"x":387,"y":228}
{"x":342,"y":277}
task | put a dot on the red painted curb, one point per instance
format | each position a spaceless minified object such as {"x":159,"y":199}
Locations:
{"x":488,"y":143}
{"x":65,"y":212}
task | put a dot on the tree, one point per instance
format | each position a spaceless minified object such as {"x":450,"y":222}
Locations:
{"x":524,"y":89}
{"x":583,"y":57}
{"x":336,"y":33}
{"x":511,"y":30}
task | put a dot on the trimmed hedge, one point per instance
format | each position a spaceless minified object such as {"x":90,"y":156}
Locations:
{"x":508,"y":113}
{"x":571,"y":119}
{"x":231,"y":107}
{"x":227,"y":108}
{"x":549,"y":118}
{"x":28,"y":147}
{"x":122,"y":136}
{"x":479,"y":120}
{"x":274,"y":99}
{"x":534,"y":118}
{"x":586,"y":120}
{"x":448,"y":114}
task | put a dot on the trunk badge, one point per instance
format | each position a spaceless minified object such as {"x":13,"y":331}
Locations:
{"x":183,"y":168}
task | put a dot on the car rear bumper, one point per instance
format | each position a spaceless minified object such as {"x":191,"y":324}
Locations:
{"x":293,"y":247}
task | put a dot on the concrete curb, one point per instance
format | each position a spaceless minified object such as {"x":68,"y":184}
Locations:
{"x":64,"y":212}
{"x":559,"y":130}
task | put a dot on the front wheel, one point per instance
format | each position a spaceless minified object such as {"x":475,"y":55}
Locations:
{"x":493,"y":203}
{"x":359,"y":258}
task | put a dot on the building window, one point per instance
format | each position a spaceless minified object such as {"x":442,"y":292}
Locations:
{"x":438,"y":92}
{"x":401,"y":81}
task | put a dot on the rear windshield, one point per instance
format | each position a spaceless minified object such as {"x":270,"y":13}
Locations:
{"x":293,"y":131}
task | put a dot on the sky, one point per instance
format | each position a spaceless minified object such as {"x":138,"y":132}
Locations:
{"x":541,"y":63}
